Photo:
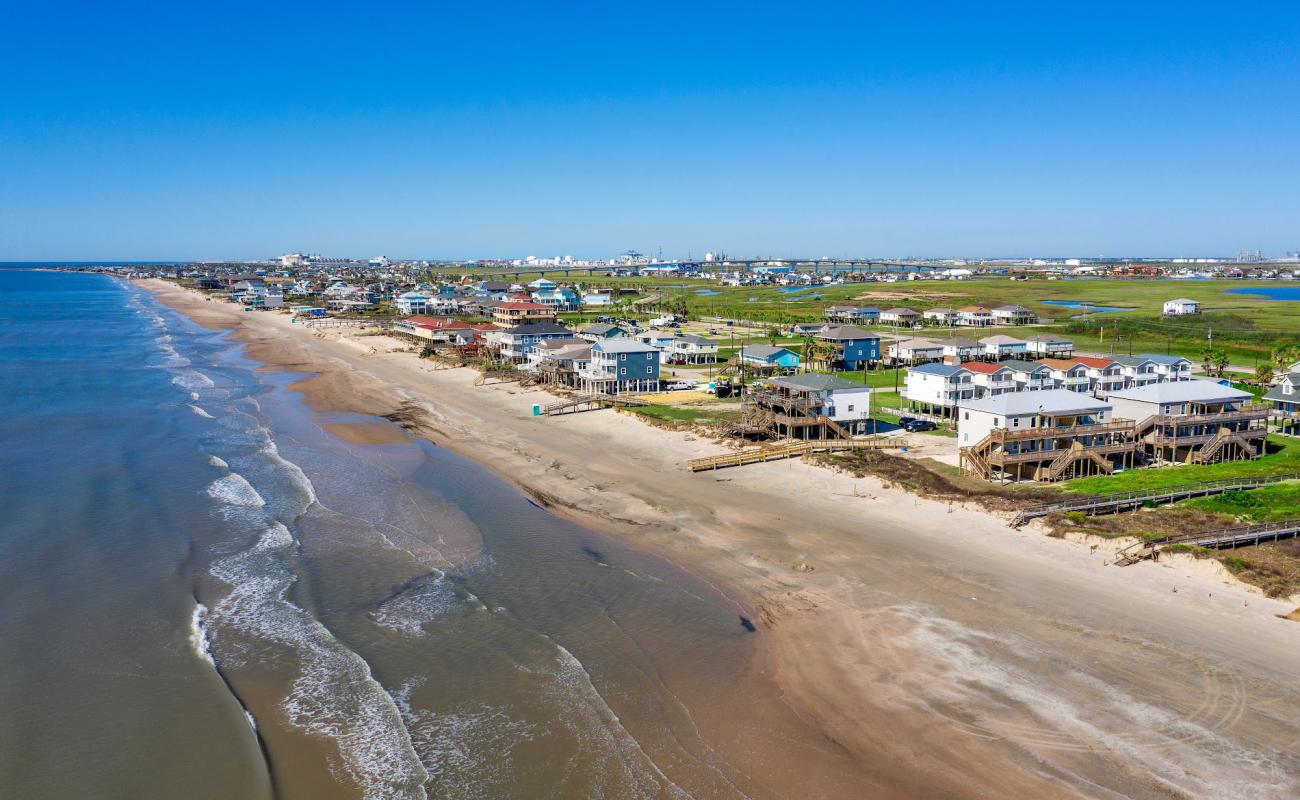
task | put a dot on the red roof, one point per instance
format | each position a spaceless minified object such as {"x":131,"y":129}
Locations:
{"x":984,"y":367}
{"x":523,"y":305}
{"x":1095,"y":363}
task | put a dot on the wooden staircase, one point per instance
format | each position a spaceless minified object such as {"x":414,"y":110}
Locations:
{"x":1223,"y":438}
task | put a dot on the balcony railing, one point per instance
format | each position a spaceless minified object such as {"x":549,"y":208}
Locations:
{"x":1001,"y":457}
{"x":1124,"y":426}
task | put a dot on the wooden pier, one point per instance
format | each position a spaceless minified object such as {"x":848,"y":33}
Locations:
{"x":792,"y":449}
{"x":1097,"y":505}
{"x":1224,"y":538}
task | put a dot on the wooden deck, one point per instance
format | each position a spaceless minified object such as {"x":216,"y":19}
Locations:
{"x":757,"y":455}
{"x":1224,"y":538}
{"x":1096,"y":505}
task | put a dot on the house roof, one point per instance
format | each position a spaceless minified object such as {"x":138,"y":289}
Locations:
{"x":938,"y":369}
{"x":623,"y":346}
{"x":1183,"y":301}
{"x":1195,"y":391}
{"x":900,"y":311}
{"x":764,"y":351}
{"x":983,"y":367}
{"x":1043,"y":338}
{"x":959,"y":342}
{"x":1048,"y":401}
{"x":436,"y":323}
{"x":699,"y":340}
{"x":1093,"y":363}
{"x":1001,"y":339}
{"x":973,"y":309}
{"x":817,"y":382}
{"x":845,"y":333}
{"x":1132,"y":361}
{"x":937,"y":311}
{"x":1013,"y":309}
{"x":918,"y":344}
{"x":1017,"y":365}
{"x":1275,"y":393}
{"x":1168,"y":360}
{"x":1063,"y":364}
{"x":522,"y":305}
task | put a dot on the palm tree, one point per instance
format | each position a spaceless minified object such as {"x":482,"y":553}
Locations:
{"x":1263,"y":374}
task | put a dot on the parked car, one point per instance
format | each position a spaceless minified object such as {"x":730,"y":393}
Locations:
{"x":903,"y":421}
{"x":678,"y":386}
{"x":918,"y":425}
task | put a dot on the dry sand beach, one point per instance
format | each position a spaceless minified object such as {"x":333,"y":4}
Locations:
{"x":914,"y":649}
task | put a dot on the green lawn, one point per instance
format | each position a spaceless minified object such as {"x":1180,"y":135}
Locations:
{"x":687,"y":414}
{"x":1284,"y":458}
{"x":1279,"y":501}
{"x":876,"y":379}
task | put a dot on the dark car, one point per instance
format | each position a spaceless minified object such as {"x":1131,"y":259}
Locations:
{"x":918,"y":425}
{"x":904,"y":421}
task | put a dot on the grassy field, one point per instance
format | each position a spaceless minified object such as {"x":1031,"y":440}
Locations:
{"x":1279,"y":501}
{"x":1284,"y":457}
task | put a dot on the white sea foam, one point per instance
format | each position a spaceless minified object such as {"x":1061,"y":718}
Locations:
{"x":295,"y":473}
{"x":464,"y":749}
{"x":218,"y":463}
{"x":408,"y":611}
{"x":233,"y":490}
{"x":199,"y":634}
{"x":200,"y":411}
{"x":192,"y":379}
{"x":252,"y":723}
{"x":334,"y":693}
{"x":194,"y":396}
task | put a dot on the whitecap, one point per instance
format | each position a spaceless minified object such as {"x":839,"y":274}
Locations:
{"x":233,"y":490}
{"x":218,"y":463}
{"x":200,"y":411}
{"x":199,"y":641}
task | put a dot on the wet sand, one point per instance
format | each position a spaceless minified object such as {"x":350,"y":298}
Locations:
{"x":929,"y":652}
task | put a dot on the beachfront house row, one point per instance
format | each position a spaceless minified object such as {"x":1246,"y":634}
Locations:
{"x":999,"y":347}
{"x":1046,"y":436}
{"x":852,"y":314}
{"x":1013,"y":315}
{"x":1137,"y":370}
{"x":899,"y":316}
{"x":558,"y":362}
{"x":514,"y":344}
{"x":1193,"y":421}
{"x":600,"y":330}
{"x":938,"y":388}
{"x":813,"y":405}
{"x":939,"y":316}
{"x":854,"y":347}
{"x":1048,"y":346}
{"x":1284,"y":398}
{"x":974,"y":317}
{"x":1181,"y":307}
{"x":561,"y":298}
{"x":621,"y":365}
{"x":1170,"y":368}
{"x":691,"y":349}
{"x":914,"y":351}
{"x":769,"y":358}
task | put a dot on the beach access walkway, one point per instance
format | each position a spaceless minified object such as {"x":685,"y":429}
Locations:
{"x":1097,"y":505}
{"x":1221,"y":539}
{"x":591,"y":402}
{"x":757,"y":455}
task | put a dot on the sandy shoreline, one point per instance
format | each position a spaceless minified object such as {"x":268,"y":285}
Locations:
{"x":940,"y":652}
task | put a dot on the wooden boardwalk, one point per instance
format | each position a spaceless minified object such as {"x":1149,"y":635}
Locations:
{"x":1096,"y":505}
{"x":591,"y":402}
{"x":1224,"y":538}
{"x":757,"y":455}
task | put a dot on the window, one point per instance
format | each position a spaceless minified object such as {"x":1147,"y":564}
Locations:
{"x":850,"y":408}
{"x":622,"y":370}
{"x":622,"y":356}
{"x":649,"y":370}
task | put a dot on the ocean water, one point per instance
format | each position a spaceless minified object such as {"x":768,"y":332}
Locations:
{"x":204,"y":594}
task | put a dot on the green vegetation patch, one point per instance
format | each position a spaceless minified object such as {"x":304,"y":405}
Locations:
{"x":1283,"y":457}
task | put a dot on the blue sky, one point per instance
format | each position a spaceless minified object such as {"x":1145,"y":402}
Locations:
{"x":233,"y":130}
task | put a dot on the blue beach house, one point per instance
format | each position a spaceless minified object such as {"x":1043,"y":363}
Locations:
{"x":855,"y":348}
{"x":764,"y":356}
